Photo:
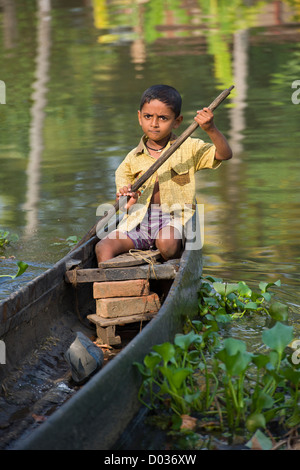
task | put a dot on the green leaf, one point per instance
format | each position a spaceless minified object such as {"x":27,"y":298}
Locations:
{"x":244,"y":290}
{"x":176,"y":377}
{"x":72,"y":240}
{"x":233,"y":345}
{"x":243,"y":360}
{"x":152,"y":360}
{"x":232,"y":296}
{"x":279,"y":311}
{"x":267,"y":296}
{"x":234,"y":356}
{"x":180,"y":375}
{"x":213,"y":279}
{"x":278,"y":337}
{"x":185,"y":341}
{"x":230,"y":288}
{"x":264,"y":401}
{"x":261,"y":360}
{"x":264,"y":286}
{"x":225,"y":288}
{"x":198,"y":325}
{"x":222,"y":317}
{"x":142,"y":370}
{"x":292,"y":375}
{"x":211,"y":301}
{"x":255,"y":421}
{"x":251,"y":306}
{"x":240,"y":304}
{"x":166,"y":351}
{"x":22,"y":268}
{"x":219,"y":288}
{"x":192,"y":397}
{"x":176,"y":422}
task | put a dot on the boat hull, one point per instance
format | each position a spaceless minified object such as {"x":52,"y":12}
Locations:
{"x":97,"y":415}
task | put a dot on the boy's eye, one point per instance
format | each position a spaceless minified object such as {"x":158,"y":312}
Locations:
{"x":149,"y":116}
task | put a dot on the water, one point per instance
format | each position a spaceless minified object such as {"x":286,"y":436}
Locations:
{"x":74,"y":73}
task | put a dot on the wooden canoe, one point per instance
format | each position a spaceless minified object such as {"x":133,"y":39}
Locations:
{"x":46,"y":312}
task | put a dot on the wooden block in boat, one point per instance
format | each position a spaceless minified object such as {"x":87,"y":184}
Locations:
{"x":134,"y":258}
{"x":104,"y":322}
{"x":124,"y":306}
{"x":107,"y":335}
{"x":158,"y":271}
{"x":132,"y":288}
{"x":106,"y":327}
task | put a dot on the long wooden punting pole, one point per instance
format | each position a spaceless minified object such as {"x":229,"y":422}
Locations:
{"x":102,"y":222}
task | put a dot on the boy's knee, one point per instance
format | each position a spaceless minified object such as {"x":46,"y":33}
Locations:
{"x":111,"y":246}
{"x":102,"y":249}
{"x":169,"y":249}
{"x":106,"y":249}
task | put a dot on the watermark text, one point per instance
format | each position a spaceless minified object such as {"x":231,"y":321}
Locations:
{"x":2,"y":92}
{"x":296,"y":354}
{"x":296,"y":94}
{"x":192,"y":231}
{"x":2,"y":352}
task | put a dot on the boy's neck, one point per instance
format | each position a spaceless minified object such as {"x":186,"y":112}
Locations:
{"x":157,"y":146}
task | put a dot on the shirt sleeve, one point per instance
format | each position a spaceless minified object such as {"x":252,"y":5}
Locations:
{"x":123,"y":175}
{"x":204,"y":155}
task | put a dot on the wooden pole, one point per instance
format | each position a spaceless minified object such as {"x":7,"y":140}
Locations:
{"x":102,"y":222}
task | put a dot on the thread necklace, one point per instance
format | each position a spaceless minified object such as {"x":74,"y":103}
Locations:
{"x":156,"y":150}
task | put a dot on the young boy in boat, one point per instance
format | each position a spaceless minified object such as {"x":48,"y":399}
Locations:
{"x":156,"y":214}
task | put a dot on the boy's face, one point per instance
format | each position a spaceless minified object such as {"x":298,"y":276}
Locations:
{"x":157,"y":120}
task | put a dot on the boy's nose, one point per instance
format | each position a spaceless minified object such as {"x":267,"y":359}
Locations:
{"x":155,"y":121}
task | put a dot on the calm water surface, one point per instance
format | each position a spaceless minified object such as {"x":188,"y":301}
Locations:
{"x":74,"y":72}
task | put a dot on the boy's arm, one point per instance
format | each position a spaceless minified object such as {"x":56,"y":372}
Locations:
{"x":124,"y":180}
{"x":205,"y":119}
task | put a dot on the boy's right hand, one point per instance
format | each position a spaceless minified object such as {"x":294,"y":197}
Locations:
{"x":132,"y":197}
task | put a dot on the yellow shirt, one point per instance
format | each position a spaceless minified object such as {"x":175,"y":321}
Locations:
{"x":176,"y":178}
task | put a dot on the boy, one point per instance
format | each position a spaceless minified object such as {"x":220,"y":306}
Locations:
{"x":158,"y":212}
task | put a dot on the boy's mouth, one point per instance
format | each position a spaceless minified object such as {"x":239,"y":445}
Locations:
{"x":152,"y":131}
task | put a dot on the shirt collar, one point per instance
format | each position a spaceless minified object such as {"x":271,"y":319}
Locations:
{"x":141,"y":148}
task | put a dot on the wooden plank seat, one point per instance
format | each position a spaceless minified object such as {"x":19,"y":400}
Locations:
{"x":133,"y":258}
{"x":157,"y":271}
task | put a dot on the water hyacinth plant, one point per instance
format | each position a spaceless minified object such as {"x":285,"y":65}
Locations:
{"x":6,"y":238}
{"x":21,"y":269}
{"x":204,"y":374}
{"x":236,"y":299}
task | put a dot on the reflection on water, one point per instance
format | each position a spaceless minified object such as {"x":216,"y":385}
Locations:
{"x":74,"y":73}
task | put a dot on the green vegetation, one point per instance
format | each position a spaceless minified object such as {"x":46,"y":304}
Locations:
{"x":21,"y":269}
{"x":69,"y":241}
{"x":6,"y":238}
{"x":218,"y":379}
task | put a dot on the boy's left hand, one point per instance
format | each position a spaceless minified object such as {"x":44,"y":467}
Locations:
{"x":205,"y":119}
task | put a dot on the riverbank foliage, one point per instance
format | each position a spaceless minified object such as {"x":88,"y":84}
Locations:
{"x":212,"y":379}
{"x":6,"y":238}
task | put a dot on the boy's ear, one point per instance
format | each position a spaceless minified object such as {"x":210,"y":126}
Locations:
{"x":139,"y":117}
{"x":178,"y":121}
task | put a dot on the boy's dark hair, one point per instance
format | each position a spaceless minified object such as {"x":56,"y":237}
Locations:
{"x":164,"y":93}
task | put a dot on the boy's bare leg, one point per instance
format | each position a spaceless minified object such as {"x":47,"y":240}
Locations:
{"x":113,"y":245}
{"x":169,"y":243}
